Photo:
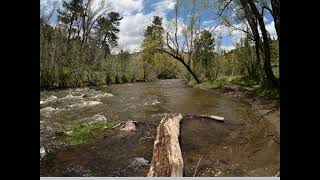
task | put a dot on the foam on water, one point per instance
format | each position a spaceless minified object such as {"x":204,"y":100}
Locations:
{"x":84,"y":104}
{"x":49,"y":99}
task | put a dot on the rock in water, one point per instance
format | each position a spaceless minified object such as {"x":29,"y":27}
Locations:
{"x":152,"y":102}
{"x":47,"y":111}
{"x":99,"y":118}
{"x":128,"y":126}
{"x":95,"y":118}
{"x":138,"y":161}
{"x":51,"y":98}
{"x":42,"y":152}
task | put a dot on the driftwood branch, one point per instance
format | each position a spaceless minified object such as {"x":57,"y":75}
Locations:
{"x":217,"y":118}
{"x":167,"y":158}
{"x":195,"y":172}
{"x":212,"y":117}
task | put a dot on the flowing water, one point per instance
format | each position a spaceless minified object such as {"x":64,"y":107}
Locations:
{"x":241,"y":146}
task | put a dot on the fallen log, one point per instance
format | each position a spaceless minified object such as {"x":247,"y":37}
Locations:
{"x":167,"y":158}
{"x":216,"y":118}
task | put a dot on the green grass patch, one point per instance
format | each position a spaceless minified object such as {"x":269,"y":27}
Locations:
{"x":192,"y":83}
{"x":244,"y":81}
{"x":273,"y":93}
{"x":229,"y":78}
{"x":81,"y":133}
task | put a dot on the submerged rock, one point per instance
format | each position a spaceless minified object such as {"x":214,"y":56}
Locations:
{"x":42,"y":152}
{"x":138,"y":161}
{"x":95,"y":118}
{"x":99,"y":118}
{"x":47,"y":111}
{"x":152,"y":102}
{"x":128,"y":126}
{"x":77,"y":170}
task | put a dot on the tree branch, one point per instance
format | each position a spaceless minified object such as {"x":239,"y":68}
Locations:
{"x":223,"y":9}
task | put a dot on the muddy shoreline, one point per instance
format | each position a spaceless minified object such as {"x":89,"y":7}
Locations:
{"x":269,"y":108}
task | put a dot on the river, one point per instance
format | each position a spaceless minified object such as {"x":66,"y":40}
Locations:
{"x":241,"y":146}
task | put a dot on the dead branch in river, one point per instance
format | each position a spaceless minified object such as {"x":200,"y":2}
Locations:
{"x":167,"y":159}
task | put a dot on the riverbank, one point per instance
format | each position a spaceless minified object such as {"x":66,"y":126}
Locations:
{"x":267,"y":105}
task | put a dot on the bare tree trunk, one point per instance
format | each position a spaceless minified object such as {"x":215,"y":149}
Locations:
{"x":276,"y":17}
{"x":70,"y":29}
{"x":144,"y":75}
{"x":272,"y":80}
{"x":180,"y":59}
{"x":167,"y":159}
{"x":254,"y":28}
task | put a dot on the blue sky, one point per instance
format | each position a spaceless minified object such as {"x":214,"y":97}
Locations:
{"x":137,"y":14}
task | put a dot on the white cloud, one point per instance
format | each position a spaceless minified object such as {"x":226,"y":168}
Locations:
{"x":49,"y":6}
{"x":163,"y":7}
{"x":221,"y":30}
{"x":237,"y":35}
{"x":228,"y":48}
{"x":131,"y":31}
{"x":208,"y":22}
{"x":133,"y":24}
{"x":46,"y":6}
{"x":135,"y":21}
{"x":270,"y":28}
{"x":266,"y":20}
{"x":127,"y":7}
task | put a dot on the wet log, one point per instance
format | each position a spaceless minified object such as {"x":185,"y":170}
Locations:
{"x":212,"y":117}
{"x":217,"y":118}
{"x":167,"y":158}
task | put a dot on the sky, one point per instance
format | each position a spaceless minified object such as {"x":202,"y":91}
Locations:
{"x":137,"y":14}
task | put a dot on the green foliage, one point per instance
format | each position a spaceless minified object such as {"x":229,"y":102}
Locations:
{"x":156,"y":64}
{"x":117,"y":79}
{"x":263,"y":91}
{"x":71,"y":53}
{"x":245,"y":81}
{"x":107,"y":29}
{"x":81,"y":133}
{"x":209,"y":84}
{"x":204,"y":55}
{"x":274,"y":47}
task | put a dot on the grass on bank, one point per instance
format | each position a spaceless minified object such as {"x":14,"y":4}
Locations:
{"x":238,"y":80}
{"x":81,"y":133}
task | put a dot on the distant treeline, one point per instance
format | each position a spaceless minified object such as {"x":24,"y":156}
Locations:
{"x":76,"y":50}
